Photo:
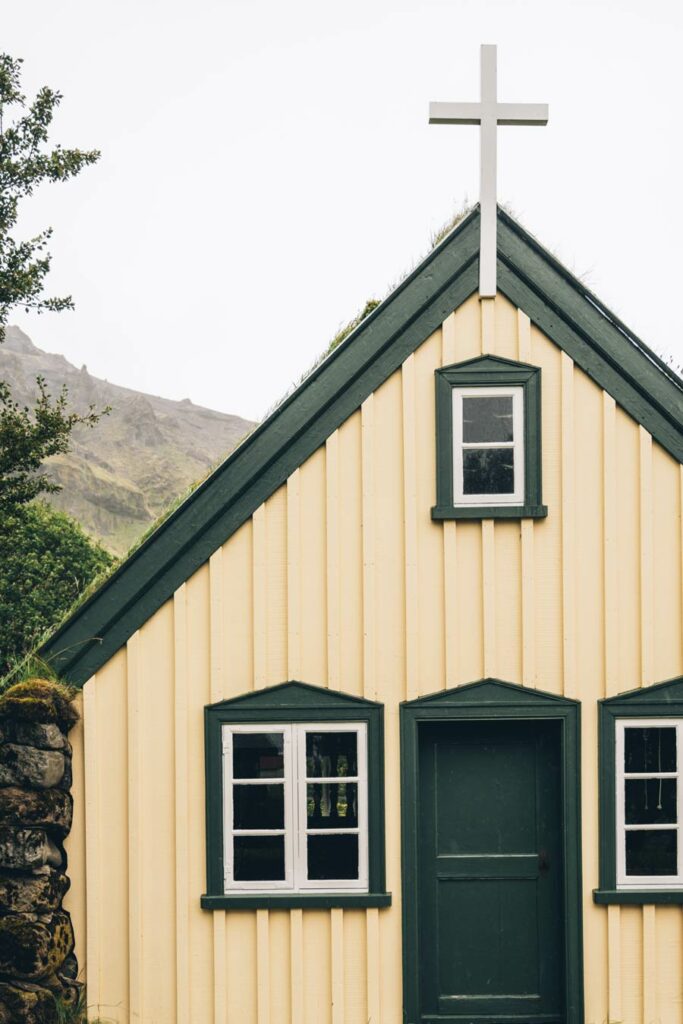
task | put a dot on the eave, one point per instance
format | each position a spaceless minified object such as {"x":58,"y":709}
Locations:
{"x":556,"y":302}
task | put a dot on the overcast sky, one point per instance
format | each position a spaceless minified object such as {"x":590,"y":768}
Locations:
{"x":267,"y":166}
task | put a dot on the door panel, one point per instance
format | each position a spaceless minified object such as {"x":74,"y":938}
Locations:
{"x":491,"y":877}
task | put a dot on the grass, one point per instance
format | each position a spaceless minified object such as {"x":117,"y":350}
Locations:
{"x":30,"y":667}
{"x":446,"y":228}
{"x":23,"y":668}
{"x":19,"y":670}
{"x":78,"y":1013}
{"x":26,"y":666}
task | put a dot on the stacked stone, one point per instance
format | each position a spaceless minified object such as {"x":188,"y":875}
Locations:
{"x":37,"y":966}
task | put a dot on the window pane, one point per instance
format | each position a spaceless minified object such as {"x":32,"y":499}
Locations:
{"x":259,"y":806}
{"x":331,"y":753}
{"x":649,"y":750}
{"x":487,"y":419}
{"x":488,"y":471}
{"x":332,"y":857}
{"x":650,"y":801}
{"x":259,"y":858}
{"x":257,"y":755}
{"x":332,"y":805}
{"x":651,"y":853}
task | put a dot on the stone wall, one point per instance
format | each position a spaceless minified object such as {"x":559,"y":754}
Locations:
{"x":38,"y":969}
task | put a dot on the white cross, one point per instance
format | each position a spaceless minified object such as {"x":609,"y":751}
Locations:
{"x":488,"y":113}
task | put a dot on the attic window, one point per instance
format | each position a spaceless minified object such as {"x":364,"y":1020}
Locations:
{"x":488,"y":440}
{"x":488,"y":449}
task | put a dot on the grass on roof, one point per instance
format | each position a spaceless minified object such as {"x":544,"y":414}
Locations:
{"x":28,"y":665}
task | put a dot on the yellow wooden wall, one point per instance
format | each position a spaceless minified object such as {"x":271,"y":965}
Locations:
{"x":341,"y":579}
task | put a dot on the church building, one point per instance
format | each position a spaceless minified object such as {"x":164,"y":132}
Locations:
{"x":381,"y":725}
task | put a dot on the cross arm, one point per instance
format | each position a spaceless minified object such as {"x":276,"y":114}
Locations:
{"x":455,"y":113}
{"x":522,"y":113}
{"x":504,"y":113}
{"x":488,"y":113}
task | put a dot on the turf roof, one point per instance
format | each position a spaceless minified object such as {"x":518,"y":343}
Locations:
{"x":529,"y":276}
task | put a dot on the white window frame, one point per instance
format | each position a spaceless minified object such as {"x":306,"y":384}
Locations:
{"x":625,"y":881}
{"x":295,"y":829}
{"x":516,"y":497}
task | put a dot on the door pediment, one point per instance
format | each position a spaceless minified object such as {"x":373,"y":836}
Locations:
{"x":489,"y":692}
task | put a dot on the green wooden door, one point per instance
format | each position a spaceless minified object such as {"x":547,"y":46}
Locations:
{"x":490,"y":873}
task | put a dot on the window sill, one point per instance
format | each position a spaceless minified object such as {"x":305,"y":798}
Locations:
{"x":490,"y":512}
{"x":638,"y":896}
{"x":293,"y":900}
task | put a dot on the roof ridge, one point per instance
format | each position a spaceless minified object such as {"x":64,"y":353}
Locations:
{"x":529,"y":276}
{"x":590,"y":296}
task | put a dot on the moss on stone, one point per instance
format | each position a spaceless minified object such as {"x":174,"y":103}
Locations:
{"x":32,"y":894}
{"x":40,"y":700}
{"x":27,"y":849}
{"x":51,"y":809}
{"x":32,"y":950}
{"x":28,"y":1004}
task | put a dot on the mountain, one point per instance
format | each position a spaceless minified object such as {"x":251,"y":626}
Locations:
{"x":119,"y":476}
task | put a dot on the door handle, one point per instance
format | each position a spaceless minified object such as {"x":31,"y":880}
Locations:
{"x":543,"y":860}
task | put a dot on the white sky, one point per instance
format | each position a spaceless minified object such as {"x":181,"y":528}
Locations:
{"x":267,"y":166}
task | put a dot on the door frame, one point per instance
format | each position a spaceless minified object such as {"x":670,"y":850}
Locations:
{"x":487,"y":700}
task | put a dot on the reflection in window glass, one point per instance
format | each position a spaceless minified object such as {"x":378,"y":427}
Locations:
{"x":332,"y":805}
{"x":296,"y":807}
{"x":650,"y":801}
{"x":649,"y":750}
{"x":331,"y":754}
{"x":488,"y":471}
{"x":647,"y":808}
{"x":488,"y":445}
{"x":258,"y":755}
{"x":487,"y":419}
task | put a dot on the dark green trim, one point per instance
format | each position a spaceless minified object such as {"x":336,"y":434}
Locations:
{"x":264,"y":461}
{"x":291,"y":901}
{"x":488,"y":371}
{"x":639,"y":897}
{"x":575,"y":319}
{"x":493,"y":699}
{"x":491,"y":512}
{"x":293,"y":702}
{"x":528,"y":275}
{"x":662,"y":700}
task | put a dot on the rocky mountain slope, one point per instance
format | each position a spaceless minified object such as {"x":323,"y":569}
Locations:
{"x":121,"y":475}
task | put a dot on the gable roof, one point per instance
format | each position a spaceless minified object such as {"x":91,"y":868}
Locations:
{"x":528,"y":276}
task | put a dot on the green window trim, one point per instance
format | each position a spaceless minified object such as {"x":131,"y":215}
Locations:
{"x":294,"y":900}
{"x":637,"y":897}
{"x":286,"y":703}
{"x":492,"y":699}
{"x":665,"y":701}
{"x":489,"y":371}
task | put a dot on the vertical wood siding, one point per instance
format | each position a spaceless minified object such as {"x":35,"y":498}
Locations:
{"x":341,"y":579}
